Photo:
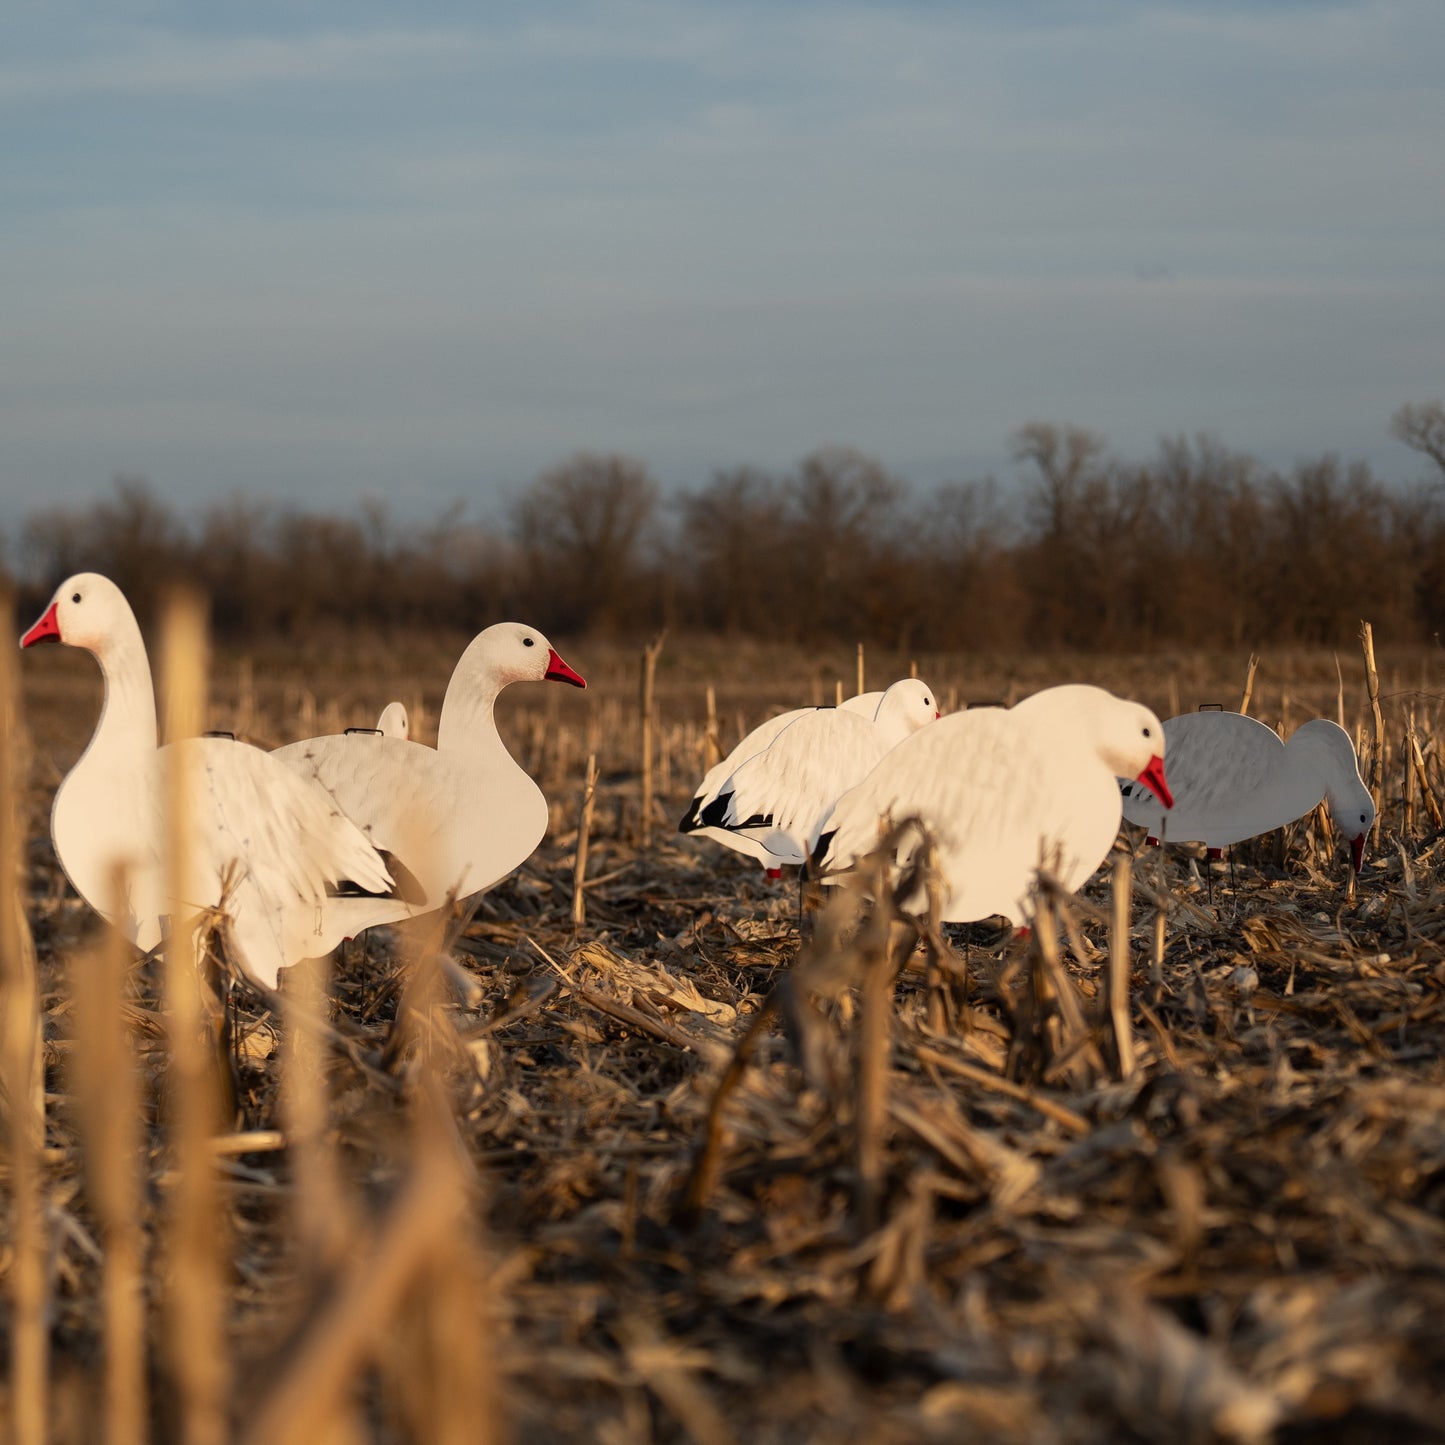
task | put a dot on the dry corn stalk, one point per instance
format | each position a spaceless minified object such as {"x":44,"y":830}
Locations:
{"x":196,"y":1348}
{"x":646,"y":699}
{"x":584,"y":834}
{"x":1432,"y":806}
{"x":322,"y":1222}
{"x":1377,"y":753}
{"x":1249,"y":683}
{"x":110,"y":1112}
{"x":22,"y":1083}
{"x":1118,"y":976}
{"x":712,"y":746}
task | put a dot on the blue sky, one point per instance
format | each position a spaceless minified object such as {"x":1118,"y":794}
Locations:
{"x":328,"y":251}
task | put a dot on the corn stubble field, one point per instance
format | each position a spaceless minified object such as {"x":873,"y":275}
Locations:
{"x":658,"y":1176}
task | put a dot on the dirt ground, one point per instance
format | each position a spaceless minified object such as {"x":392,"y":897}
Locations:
{"x":947,"y":1207}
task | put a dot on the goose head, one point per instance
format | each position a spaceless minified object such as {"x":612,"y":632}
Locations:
{"x":514,"y":652}
{"x":502,"y":654}
{"x":87,"y":611}
{"x":1350,"y":804}
{"x":393,"y":722}
{"x":1127,"y":736}
{"x":1130,"y":739}
{"x":1355,"y":814}
{"x":1133,"y":745}
{"x":906,"y":707}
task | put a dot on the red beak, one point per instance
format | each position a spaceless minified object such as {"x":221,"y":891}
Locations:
{"x":1153,"y":778}
{"x":558,"y":671}
{"x":1357,"y":851}
{"x":46,"y":630}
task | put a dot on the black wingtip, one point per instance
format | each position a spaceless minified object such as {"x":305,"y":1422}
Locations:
{"x":715,"y":815}
{"x":716,"y":812}
{"x":407,"y":887}
{"x":691,"y":820}
{"x":820,"y":849}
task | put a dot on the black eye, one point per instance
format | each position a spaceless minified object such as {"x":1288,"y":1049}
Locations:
{"x":527,"y":642}
{"x":75,"y":597}
{"x":1147,"y":733}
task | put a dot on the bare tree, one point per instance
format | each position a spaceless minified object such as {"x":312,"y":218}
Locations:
{"x":1209,"y":553}
{"x":1333,"y":542}
{"x":1065,"y":458}
{"x":1421,"y":426}
{"x":731,"y":547}
{"x":957,"y":571}
{"x":1068,"y":597}
{"x":843,"y":510}
{"x":1196,"y":545}
{"x":581,"y":526}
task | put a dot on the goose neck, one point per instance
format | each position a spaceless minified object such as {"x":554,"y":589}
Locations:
{"x":467,"y":721}
{"x":128,"y":714}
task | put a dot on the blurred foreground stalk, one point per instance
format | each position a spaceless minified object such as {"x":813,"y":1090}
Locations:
{"x":195,"y":1301}
{"x":21,"y":1076}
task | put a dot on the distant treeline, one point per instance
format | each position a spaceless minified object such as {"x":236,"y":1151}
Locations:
{"x":1196,"y":546}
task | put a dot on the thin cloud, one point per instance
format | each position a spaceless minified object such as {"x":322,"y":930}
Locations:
{"x":176,"y":65}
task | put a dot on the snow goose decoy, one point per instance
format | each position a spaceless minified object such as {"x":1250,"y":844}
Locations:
{"x":393,"y":722}
{"x":455,"y":819}
{"x":266,"y":849}
{"x":864,"y":705}
{"x":1003,"y":791}
{"x":1233,"y":779}
{"x":774,"y":798}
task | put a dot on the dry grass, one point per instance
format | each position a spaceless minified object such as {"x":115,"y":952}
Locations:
{"x":952,"y":1190}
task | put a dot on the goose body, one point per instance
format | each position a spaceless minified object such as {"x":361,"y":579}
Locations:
{"x":1233,"y":778}
{"x":865,"y":704}
{"x":265,"y":848}
{"x":1003,"y":792}
{"x":775,"y":797}
{"x":457,"y":818}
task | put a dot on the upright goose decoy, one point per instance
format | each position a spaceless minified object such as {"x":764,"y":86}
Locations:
{"x":1003,"y":792}
{"x":266,"y":848}
{"x":775,"y":797}
{"x":455,"y":819}
{"x":1233,"y":778}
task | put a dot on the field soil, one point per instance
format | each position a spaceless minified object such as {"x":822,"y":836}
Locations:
{"x":722,"y":1185}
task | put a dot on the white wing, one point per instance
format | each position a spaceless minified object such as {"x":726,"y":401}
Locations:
{"x":761,"y":737}
{"x":264,"y":847}
{"x":757,"y":741}
{"x":778,"y":795}
{"x":250,"y":805}
{"x":271,"y":849}
{"x":864,"y":705}
{"x":453,"y":830}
